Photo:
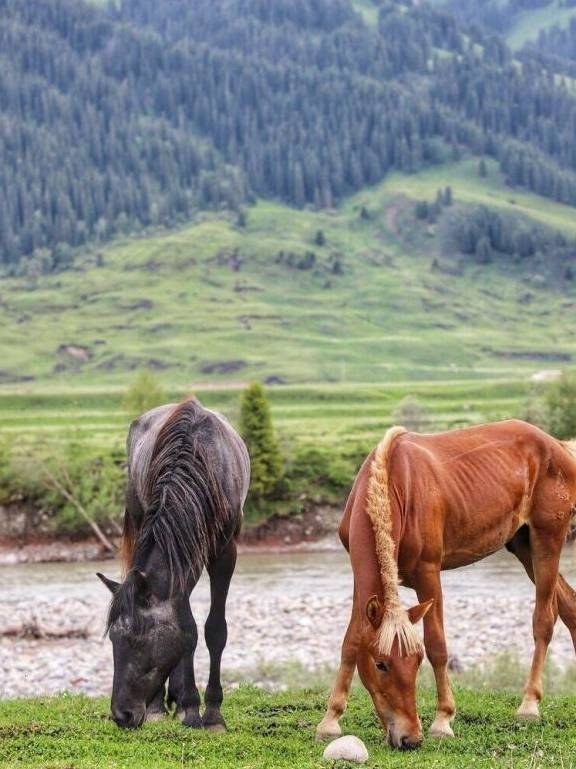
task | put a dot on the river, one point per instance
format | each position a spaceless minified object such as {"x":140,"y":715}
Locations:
{"x":288,"y":608}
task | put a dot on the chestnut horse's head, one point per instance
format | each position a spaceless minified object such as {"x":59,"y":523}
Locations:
{"x":388,"y":659}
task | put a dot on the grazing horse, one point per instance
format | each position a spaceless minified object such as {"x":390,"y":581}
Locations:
{"x":188,"y":475}
{"x":423,"y":503}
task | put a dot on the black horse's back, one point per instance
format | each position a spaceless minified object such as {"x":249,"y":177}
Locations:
{"x":193,"y":487}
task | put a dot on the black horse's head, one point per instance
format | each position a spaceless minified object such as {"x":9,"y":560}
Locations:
{"x":148,"y":642}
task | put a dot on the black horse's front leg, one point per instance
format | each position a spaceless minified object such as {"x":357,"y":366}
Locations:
{"x":182,"y":689}
{"x":216,"y":633}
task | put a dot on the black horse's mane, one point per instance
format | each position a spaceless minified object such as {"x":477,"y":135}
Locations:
{"x":188,"y":515}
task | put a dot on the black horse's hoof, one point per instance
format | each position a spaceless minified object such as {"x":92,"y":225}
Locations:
{"x":213,"y":721}
{"x":191,"y":719}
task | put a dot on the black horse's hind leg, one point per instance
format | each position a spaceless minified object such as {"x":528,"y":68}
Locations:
{"x":216,"y":632}
{"x":182,"y":689}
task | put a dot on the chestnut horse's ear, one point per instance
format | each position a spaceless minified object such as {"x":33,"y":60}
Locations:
{"x":416,"y":613}
{"x":374,"y":611}
{"x":110,"y":584}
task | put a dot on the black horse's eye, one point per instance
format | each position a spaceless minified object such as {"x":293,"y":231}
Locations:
{"x":383,"y":666}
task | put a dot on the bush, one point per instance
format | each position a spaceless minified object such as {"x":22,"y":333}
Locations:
{"x":143,"y":394}
{"x":561,"y":407}
{"x":411,"y":414}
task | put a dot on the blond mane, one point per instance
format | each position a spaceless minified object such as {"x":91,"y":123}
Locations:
{"x":395,"y":623}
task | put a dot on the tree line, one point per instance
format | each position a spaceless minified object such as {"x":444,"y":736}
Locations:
{"x":139,"y":114}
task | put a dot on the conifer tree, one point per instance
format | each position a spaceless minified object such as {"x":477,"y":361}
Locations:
{"x":257,"y":431}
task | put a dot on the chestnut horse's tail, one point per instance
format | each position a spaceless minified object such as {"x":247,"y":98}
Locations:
{"x":395,"y":624}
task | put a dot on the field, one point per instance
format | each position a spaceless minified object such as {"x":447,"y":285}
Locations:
{"x":340,"y":417}
{"x":277,"y":730}
{"x":214,"y":302}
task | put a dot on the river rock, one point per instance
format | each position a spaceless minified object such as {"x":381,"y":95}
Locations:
{"x":348,"y":748}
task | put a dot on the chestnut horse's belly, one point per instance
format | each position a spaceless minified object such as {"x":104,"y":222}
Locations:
{"x":470,"y":538}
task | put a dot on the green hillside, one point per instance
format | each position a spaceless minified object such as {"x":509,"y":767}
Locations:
{"x":216,"y":301}
{"x":527,"y":24}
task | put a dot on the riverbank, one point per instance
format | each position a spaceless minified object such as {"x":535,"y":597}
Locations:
{"x":287,"y":613}
{"x":315,"y":526}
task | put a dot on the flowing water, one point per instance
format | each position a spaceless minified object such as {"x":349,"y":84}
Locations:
{"x":299,"y":573}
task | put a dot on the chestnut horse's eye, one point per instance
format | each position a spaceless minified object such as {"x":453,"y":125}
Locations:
{"x":383,"y":666}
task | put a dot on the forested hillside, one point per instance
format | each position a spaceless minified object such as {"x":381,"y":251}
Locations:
{"x":141,"y":114}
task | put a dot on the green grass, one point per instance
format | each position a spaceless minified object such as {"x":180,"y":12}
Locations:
{"x":528,"y":24}
{"x":277,"y":730}
{"x":368,"y":10}
{"x":173,"y":301}
{"x":340,"y":417}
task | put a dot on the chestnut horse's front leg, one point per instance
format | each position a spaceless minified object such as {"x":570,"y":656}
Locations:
{"x":329,"y":726}
{"x":427,"y":584}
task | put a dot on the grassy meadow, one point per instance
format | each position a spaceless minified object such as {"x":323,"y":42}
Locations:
{"x":341,"y":338}
{"x":216,"y":303}
{"x":277,"y":730}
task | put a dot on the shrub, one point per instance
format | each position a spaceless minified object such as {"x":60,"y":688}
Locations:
{"x":561,"y":407}
{"x":411,"y":414}
{"x":143,"y":394}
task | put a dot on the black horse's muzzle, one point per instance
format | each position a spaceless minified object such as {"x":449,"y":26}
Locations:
{"x":128,"y":719}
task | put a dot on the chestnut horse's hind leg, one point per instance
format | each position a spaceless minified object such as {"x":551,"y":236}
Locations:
{"x":329,"y":726}
{"x":427,"y":584}
{"x":565,"y":595}
{"x":545,"y":549}
{"x":216,"y":633}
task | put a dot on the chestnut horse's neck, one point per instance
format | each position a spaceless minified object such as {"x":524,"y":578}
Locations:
{"x":395,"y":624}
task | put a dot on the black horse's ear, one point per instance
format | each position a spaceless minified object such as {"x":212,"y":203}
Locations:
{"x":110,"y":584}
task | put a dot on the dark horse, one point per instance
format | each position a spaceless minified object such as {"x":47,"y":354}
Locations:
{"x":423,"y":503}
{"x":188,"y":475}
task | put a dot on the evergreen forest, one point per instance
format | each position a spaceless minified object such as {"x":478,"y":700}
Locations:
{"x":139,"y":114}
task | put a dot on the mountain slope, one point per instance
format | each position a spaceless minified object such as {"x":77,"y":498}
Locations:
{"x":139,"y":115}
{"x":297,"y":296}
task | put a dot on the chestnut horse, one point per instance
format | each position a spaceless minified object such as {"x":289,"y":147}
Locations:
{"x":188,"y":475}
{"x":423,"y":503}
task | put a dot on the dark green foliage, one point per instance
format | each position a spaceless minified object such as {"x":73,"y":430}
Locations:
{"x":139,"y":114}
{"x":320,"y":238}
{"x":72,"y":486}
{"x":561,"y":407}
{"x":257,"y":431}
{"x":487,"y":235}
{"x":430,"y":212}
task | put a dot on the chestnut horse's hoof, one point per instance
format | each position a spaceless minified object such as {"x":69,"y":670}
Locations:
{"x":328,"y":729}
{"x":440,"y":727}
{"x":528,"y":711}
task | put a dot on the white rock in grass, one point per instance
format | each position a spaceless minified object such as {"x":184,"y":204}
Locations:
{"x":348,"y":748}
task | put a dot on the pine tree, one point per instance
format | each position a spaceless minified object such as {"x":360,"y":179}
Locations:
{"x":257,"y":431}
